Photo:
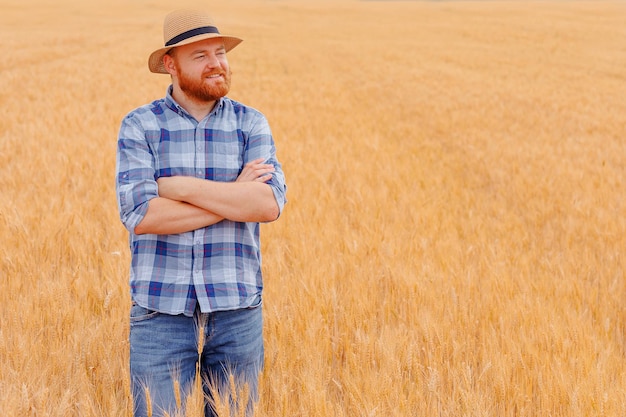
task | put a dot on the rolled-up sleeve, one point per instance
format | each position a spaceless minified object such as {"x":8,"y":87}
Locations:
{"x":261,"y":145}
{"x":135,"y":169}
{"x":279,"y":188}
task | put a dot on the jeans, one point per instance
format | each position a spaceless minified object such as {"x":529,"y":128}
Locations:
{"x":165,"y":351}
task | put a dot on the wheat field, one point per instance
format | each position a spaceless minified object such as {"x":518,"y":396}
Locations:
{"x":454,"y":242}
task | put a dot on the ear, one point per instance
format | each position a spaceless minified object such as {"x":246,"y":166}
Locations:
{"x":168,"y":63}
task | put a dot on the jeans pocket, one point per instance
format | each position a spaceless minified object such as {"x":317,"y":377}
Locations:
{"x":139,"y":313}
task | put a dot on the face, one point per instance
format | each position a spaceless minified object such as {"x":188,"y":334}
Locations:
{"x":200,"y":69}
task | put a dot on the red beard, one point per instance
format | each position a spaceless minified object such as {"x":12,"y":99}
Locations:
{"x":203,"y":89}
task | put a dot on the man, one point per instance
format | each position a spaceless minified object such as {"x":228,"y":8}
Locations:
{"x":196,"y":174}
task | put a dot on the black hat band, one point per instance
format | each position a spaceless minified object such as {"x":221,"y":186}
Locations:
{"x":191,"y":33}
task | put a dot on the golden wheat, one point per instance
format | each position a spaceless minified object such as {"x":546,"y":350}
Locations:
{"x":454,"y":239}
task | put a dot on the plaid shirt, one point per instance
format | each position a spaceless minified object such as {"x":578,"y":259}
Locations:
{"x":218,"y":266}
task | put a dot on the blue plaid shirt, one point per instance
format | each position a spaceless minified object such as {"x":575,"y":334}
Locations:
{"x":218,"y":266}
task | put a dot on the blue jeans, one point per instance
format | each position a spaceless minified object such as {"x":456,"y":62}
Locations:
{"x":165,"y":351}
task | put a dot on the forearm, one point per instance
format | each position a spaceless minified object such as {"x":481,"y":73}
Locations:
{"x":166,"y":216}
{"x":237,"y":201}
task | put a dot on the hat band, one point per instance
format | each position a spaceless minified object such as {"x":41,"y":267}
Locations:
{"x":191,"y":33}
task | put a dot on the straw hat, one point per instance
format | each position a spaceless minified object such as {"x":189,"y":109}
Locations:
{"x":186,"y":26}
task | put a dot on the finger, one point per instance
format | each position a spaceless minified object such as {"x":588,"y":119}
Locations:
{"x":257,"y":172}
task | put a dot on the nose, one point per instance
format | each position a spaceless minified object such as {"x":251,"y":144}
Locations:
{"x":212,"y":61}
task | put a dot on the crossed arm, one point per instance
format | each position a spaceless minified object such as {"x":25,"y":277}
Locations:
{"x":188,"y":203}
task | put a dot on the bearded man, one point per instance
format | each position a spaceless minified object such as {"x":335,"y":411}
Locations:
{"x":196,"y":174}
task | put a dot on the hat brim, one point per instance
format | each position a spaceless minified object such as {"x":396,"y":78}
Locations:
{"x":155,"y":61}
